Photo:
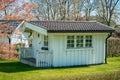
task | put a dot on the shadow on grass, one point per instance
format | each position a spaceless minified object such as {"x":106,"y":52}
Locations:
{"x":12,"y":67}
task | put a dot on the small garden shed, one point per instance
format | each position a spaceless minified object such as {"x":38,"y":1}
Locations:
{"x":64,"y":43}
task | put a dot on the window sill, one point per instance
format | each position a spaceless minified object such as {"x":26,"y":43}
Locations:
{"x":44,"y":51}
{"x":83,"y":48}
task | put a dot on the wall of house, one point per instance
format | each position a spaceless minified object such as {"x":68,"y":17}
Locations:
{"x":82,"y":56}
{"x":37,"y":43}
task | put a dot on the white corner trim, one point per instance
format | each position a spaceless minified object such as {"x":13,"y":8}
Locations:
{"x":20,"y":24}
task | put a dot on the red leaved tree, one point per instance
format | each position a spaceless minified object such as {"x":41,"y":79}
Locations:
{"x":12,"y":10}
{"x":7,"y":50}
{"x":23,"y":12}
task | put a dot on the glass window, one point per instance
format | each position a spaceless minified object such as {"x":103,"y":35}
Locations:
{"x":45,"y":40}
{"x":70,"y":41}
{"x":79,"y":41}
{"x":88,"y":41}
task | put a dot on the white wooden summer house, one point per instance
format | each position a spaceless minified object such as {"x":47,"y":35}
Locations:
{"x":61,"y":44}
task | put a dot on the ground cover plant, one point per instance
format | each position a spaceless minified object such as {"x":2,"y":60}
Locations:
{"x":14,"y":70}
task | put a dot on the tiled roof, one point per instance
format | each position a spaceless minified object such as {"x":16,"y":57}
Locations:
{"x":73,"y":26}
{"x":65,"y":26}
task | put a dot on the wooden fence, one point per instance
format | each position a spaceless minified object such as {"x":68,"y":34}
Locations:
{"x":44,"y":59}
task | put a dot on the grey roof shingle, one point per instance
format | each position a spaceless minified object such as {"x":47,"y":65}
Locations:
{"x":73,"y":26}
{"x":65,"y":26}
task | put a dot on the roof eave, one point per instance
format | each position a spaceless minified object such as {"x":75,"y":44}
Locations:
{"x":78,"y":31}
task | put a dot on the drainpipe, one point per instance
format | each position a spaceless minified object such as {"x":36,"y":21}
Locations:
{"x":109,"y":35}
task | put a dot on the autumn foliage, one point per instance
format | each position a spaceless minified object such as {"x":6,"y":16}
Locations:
{"x":8,"y":51}
{"x":5,"y":3}
{"x":5,"y":30}
{"x":24,"y":12}
{"x":12,"y":10}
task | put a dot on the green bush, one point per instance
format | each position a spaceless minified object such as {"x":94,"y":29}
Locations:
{"x":113,"y":47}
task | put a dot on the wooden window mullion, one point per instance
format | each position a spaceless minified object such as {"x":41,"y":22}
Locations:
{"x":74,"y":41}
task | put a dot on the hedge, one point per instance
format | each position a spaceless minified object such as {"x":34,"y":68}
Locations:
{"x":113,"y":47}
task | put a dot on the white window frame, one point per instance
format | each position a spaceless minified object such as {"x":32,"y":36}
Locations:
{"x":82,"y":38}
{"x":45,"y":41}
{"x":75,"y":42}
{"x":70,"y":41}
{"x":90,"y":38}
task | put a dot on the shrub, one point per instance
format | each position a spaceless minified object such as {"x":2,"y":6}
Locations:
{"x":113,"y":47}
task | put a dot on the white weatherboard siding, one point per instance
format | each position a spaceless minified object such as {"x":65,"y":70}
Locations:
{"x":58,"y":55}
{"x":37,"y":33}
{"x":37,"y":43}
{"x":99,"y":48}
{"x":44,"y":58}
{"x":82,"y":56}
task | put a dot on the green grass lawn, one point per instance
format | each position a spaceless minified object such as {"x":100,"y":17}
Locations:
{"x":14,"y":70}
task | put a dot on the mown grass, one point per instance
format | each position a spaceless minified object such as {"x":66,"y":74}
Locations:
{"x":14,"y":70}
